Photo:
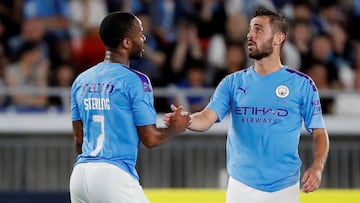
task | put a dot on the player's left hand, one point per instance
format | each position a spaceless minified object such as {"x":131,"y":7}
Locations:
{"x":311,"y":179}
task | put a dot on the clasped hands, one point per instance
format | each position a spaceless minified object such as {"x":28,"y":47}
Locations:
{"x":178,"y":119}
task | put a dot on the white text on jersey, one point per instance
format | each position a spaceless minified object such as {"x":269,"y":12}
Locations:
{"x":95,"y":103}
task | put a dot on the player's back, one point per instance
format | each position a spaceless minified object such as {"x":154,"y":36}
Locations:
{"x":104,"y":95}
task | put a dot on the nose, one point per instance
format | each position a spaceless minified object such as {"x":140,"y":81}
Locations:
{"x":248,"y":34}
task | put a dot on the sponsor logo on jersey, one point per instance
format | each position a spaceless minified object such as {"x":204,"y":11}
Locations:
{"x":261,"y":111}
{"x":98,"y":88}
{"x":317,"y":106}
{"x":252,"y":114}
{"x":243,"y":89}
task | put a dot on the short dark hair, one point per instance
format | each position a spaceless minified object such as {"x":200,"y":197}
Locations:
{"x":278,"y":21}
{"x":115,"y":27}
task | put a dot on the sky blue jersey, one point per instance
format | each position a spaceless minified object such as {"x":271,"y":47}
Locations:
{"x":111,"y":100}
{"x":266,"y":117}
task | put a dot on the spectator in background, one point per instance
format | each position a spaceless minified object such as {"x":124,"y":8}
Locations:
{"x":302,"y":10}
{"x":187,"y":47}
{"x":356,"y":64}
{"x":319,"y":73}
{"x":342,"y":54}
{"x":328,"y":12}
{"x":235,"y":60}
{"x":166,"y":15}
{"x":32,"y":30}
{"x":31,"y":71}
{"x":87,"y":47}
{"x":357,"y":79}
{"x":11,"y":19}
{"x":62,"y":77}
{"x":3,"y":64}
{"x":298,"y":10}
{"x":247,"y":7}
{"x":133,"y":6}
{"x":13,"y":10}
{"x":195,"y":79}
{"x":83,"y":21}
{"x":356,"y":61}
{"x":54,"y":15}
{"x":353,"y":18}
{"x":321,"y":50}
{"x":236,"y":26}
{"x":300,"y":36}
{"x":209,"y":17}
{"x":291,"y":55}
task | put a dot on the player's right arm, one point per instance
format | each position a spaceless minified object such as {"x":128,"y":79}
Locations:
{"x":200,"y":121}
{"x":78,"y":135}
{"x":203,"y":120}
{"x":152,"y":136}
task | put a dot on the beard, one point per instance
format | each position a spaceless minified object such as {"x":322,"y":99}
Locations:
{"x":264,"y":51}
{"x":137,"y":52}
{"x":136,"y":55}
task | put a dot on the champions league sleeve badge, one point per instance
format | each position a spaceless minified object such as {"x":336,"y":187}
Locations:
{"x":282,"y":91}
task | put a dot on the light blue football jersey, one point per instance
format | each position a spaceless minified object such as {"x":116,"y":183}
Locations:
{"x":266,"y":117}
{"x":111,"y":100}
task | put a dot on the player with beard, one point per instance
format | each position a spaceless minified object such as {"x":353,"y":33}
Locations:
{"x":112,"y":113}
{"x":268,"y":103}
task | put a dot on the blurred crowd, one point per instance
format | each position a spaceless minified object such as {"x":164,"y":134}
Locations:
{"x":190,"y":43}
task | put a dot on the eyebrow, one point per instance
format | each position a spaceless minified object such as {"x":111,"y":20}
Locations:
{"x":257,"y":25}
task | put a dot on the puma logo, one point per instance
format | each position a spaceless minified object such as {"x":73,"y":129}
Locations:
{"x":243,"y":90}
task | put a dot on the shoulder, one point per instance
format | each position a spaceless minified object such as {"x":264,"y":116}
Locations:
{"x":241,"y":72}
{"x":297,"y":73}
{"x":238,"y":75}
{"x":300,"y":77}
{"x":233,"y":80}
{"x":143,"y":78}
{"x":84,"y":76}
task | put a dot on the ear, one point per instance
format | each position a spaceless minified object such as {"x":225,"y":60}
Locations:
{"x":126,"y":43}
{"x":279,"y":38}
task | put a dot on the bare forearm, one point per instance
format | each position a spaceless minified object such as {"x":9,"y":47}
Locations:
{"x":202,"y":121}
{"x":78,"y":148}
{"x":162,"y":136}
{"x":321,"y":148}
{"x":152,"y":136}
{"x":78,"y":135}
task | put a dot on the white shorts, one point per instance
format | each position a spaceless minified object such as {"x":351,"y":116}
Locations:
{"x":104,"y":183}
{"x":238,"y":192}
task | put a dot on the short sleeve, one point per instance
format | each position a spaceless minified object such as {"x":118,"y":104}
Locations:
{"x":142,"y":102}
{"x":311,"y":108}
{"x":220,"y":100}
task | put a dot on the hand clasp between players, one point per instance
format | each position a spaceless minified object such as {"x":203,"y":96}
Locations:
{"x":178,"y":119}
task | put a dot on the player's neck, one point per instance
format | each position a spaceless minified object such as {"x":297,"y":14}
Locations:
{"x":267,"y":65}
{"x":114,"y":57}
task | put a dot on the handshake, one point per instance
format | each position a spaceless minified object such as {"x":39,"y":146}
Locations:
{"x":177,"y":120}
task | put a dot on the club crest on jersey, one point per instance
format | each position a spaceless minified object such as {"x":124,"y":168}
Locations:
{"x":282,"y":91}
